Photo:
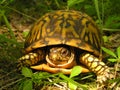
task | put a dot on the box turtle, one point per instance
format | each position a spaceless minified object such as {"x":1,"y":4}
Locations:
{"x":62,"y":39}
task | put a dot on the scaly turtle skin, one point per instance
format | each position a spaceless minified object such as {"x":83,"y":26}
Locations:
{"x":62,"y":39}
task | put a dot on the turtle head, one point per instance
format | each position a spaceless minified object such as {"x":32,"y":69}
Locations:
{"x":60,"y":56}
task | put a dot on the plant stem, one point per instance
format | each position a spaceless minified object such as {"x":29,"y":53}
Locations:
{"x":8,"y":24}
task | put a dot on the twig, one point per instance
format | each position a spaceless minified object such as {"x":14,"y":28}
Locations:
{"x":8,"y":74}
{"x":9,"y":84}
{"x":21,"y":13}
{"x":108,"y":29}
{"x":9,"y":80}
{"x":59,"y":86}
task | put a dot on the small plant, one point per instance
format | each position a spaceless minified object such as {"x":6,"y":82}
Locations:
{"x":75,"y":72}
{"x":3,"y":16}
{"x":115,"y":56}
{"x":113,"y":22}
{"x":42,"y":78}
{"x":71,"y":3}
{"x":38,"y":78}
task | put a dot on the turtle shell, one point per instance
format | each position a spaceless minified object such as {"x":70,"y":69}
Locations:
{"x":65,"y":27}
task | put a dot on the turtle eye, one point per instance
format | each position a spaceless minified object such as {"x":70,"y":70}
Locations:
{"x":64,"y":52}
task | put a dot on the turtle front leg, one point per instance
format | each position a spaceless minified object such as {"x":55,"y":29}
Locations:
{"x":30,"y":59}
{"x":97,"y":66}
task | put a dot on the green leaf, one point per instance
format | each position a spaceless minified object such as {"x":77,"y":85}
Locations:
{"x":83,"y":86}
{"x":72,"y":86}
{"x":109,"y":52}
{"x":118,"y":52}
{"x":112,"y":60}
{"x":26,"y":72}
{"x":70,"y":3}
{"x":112,"y":22}
{"x":105,"y":38}
{"x":25,"y":33}
{"x":21,"y":85}
{"x":75,"y":71}
{"x":28,"y":85}
{"x":98,"y":11}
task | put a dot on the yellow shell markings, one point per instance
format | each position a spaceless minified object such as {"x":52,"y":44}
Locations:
{"x":62,"y":26}
{"x":90,"y":33}
{"x":70,"y":29}
{"x":36,"y":30}
{"x":57,"y":29}
{"x":44,"y":31}
{"x":94,"y":35}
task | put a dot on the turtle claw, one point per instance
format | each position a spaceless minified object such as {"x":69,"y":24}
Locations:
{"x":102,"y":80}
